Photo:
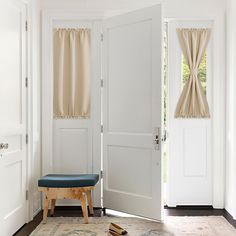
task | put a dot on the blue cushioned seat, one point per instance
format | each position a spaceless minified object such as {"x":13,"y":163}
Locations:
{"x":68,"y":181}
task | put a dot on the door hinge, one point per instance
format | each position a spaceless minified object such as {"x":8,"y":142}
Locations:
{"x":102,"y":37}
{"x":101,"y":128}
{"x":26,"y":26}
{"x":27,"y":195}
{"x":157,"y":138}
{"x":102,"y":83}
{"x":26,"y":82}
{"x":164,"y":136}
{"x":101,"y":174}
{"x":26,"y":138}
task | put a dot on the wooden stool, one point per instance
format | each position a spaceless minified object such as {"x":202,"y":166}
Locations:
{"x":68,"y":187}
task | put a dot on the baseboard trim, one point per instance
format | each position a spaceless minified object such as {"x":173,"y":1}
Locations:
{"x":37,"y":212}
{"x":191,"y":207}
{"x":230,"y":218}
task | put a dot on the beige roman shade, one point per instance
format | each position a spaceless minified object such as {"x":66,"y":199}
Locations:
{"x":193,"y":102}
{"x":71,"y":73}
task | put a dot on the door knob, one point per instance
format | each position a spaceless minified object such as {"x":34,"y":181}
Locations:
{"x":3,"y":145}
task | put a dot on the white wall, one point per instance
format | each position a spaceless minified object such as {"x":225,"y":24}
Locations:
{"x":173,"y":7}
{"x":180,"y":9}
{"x":230,"y":197}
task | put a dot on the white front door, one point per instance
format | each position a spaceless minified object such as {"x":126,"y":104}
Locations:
{"x":12,"y":116}
{"x":190,"y":140}
{"x":132,"y":73}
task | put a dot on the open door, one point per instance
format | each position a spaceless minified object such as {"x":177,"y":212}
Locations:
{"x":132,"y":72}
{"x":13,"y":116}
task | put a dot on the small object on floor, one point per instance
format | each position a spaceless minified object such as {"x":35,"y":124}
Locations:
{"x":112,"y":234}
{"x":115,"y":229}
{"x":68,"y":187}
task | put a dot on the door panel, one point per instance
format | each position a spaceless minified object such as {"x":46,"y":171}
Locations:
{"x":195,"y":157}
{"x":72,"y":149}
{"x":130,"y":72}
{"x":12,"y":118}
{"x":11,"y":38}
{"x":132,"y":52}
{"x":127,"y":156}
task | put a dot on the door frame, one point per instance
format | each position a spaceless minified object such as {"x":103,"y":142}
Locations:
{"x":218,"y":87}
{"x":48,"y":17}
{"x":31,"y":79}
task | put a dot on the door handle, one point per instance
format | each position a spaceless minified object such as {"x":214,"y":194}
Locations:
{"x":3,"y":145}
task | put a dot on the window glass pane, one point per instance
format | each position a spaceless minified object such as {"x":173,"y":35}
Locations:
{"x":202,"y":72}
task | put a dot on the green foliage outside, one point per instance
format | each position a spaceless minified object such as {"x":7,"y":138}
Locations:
{"x":201,"y":72}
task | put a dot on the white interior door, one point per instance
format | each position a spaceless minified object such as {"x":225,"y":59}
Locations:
{"x":132,"y":72}
{"x":13,"y":117}
{"x":190,"y":140}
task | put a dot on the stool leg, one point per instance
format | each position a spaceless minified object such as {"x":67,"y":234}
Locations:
{"x":53,"y":203}
{"x":90,"y":203}
{"x":84,"y":207}
{"x":45,"y":209}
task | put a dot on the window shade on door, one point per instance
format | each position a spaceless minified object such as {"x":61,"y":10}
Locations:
{"x":193,"y":102}
{"x":71,"y":73}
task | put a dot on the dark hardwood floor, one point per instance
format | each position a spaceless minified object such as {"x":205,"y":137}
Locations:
{"x":76,"y":212}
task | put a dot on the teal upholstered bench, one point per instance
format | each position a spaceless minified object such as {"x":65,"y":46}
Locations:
{"x":56,"y":186}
